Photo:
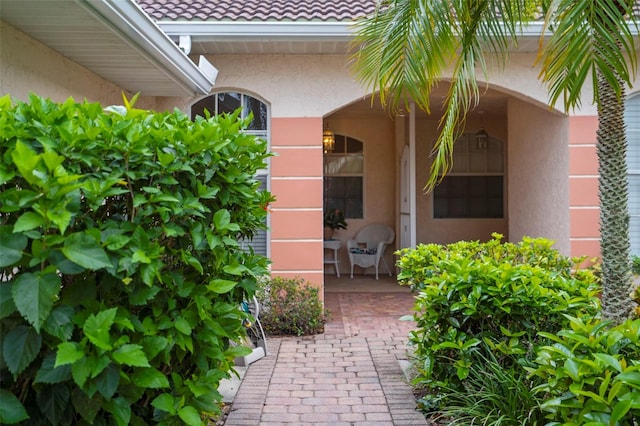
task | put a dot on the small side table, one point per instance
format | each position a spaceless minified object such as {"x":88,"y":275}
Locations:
{"x":333,"y":260}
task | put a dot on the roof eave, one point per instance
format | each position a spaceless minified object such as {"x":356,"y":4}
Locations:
{"x":134,"y":26}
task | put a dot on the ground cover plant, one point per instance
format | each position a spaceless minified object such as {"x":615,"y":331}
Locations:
{"x":121,"y":274}
{"x":290,"y":306}
{"x":488,"y":301}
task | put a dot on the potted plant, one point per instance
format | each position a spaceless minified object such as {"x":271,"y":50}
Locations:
{"x":333,"y":219}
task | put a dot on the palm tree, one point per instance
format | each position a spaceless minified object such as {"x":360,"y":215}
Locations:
{"x":404,"y":48}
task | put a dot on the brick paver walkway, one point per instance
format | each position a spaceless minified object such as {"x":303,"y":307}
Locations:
{"x":350,"y":375}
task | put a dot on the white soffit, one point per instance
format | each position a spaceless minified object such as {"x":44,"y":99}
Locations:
{"x":114,"y":39}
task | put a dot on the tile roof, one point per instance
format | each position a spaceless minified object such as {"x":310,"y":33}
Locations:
{"x":257,"y":10}
{"x":266,"y":10}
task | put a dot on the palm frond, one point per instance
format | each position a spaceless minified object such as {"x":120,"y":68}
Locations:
{"x":587,"y":38}
{"x":406,"y":48}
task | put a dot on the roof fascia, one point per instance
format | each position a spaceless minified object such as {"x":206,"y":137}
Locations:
{"x":227,"y":30}
{"x":135,"y":27}
{"x":298,"y":31}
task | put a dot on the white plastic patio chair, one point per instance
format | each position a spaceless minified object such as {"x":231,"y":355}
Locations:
{"x":367,"y":247}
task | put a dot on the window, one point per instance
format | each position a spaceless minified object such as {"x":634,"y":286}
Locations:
{"x":228,"y":102}
{"x":474,"y":188}
{"x":632,"y":121}
{"x":343,"y":177}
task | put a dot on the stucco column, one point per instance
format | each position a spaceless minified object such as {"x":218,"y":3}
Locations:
{"x":296,"y":215}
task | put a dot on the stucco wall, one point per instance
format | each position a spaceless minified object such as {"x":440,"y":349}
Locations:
{"x":538,"y":167}
{"x":27,"y":66}
{"x":316,"y":85}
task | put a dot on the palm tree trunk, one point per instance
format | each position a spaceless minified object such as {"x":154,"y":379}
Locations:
{"x":611,"y":147}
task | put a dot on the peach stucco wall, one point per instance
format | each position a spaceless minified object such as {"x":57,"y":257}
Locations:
{"x":27,"y":66}
{"x":583,"y":184}
{"x":296,"y":182}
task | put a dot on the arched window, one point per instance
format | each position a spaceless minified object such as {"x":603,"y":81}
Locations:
{"x":228,"y":102}
{"x":474,"y":188}
{"x":343,"y":177}
{"x":632,"y":121}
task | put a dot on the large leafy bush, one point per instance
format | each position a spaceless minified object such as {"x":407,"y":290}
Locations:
{"x":121,"y":272}
{"x":488,"y":298}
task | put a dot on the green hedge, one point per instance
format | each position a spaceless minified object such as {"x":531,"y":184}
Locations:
{"x":489,"y":297}
{"x":121,"y":272}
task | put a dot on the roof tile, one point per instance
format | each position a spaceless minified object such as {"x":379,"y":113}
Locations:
{"x":265,"y":10}
{"x":257,"y":10}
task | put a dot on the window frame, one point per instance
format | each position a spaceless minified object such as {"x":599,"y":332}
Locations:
{"x":346,"y":142}
{"x":465,"y":170}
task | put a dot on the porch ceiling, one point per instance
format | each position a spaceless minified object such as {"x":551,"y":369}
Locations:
{"x":112,"y":38}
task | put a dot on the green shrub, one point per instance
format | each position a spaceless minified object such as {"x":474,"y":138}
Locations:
{"x":489,"y":296}
{"x":635,"y":264}
{"x":289,"y":306}
{"x":591,"y":373}
{"x":121,"y":272}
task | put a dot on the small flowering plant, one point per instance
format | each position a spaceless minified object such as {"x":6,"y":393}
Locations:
{"x":334,"y":219}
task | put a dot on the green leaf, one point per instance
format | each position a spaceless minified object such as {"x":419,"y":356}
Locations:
{"x":165,"y":403}
{"x":26,"y":160}
{"x":98,"y":364}
{"x":117,"y":241}
{"x":81,"y":369}
{"x":190,"y":416}
{"x":235,"y":269}
{"x":630,"y":377}
{"x":121,"y":410}
{"x":132,"y":355}
{"x":572,"y":368}
{"x":609,"y":361}
{"x":53,"y":402}
{"x":153,"y":345}
{"x":11,"y":409}
{"x":60,"y":322}
{"x":87,"y":407}
{"x":49,"y":373}
{"x":68,"y":353}
{"x":34,"y":295}
{"x":7,"y":307}
{"x":96,"y":328}
{"x":108,"y":381}
{"x":221,"y":286}
{"x":221,"y":219}
{"x":20,"y":347}
{"x":27,"y":222}
{"x":140,"y":256}
{"x":84,"y":250}
{"x":141,"y":295}
{"x":149,"y":378}
{"x":11,"y":247}
{"x":620,"y":410}
{"x":183,"y":326}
